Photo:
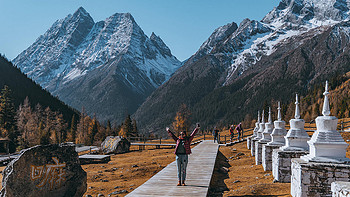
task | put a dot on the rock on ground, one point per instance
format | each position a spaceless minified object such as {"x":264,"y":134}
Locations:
{"x":50,"y":170}
{"x":115,"y":144}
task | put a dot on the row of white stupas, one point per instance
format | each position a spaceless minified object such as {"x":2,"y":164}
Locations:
{"x":325,"y":145}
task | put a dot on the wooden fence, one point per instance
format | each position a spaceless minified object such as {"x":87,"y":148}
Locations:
{"x":207,"y":135}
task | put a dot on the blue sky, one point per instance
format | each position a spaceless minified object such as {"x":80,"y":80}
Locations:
{"x":182,"y":24}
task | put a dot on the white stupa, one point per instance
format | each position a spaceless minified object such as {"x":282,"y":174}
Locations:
{"x":279,"y":131}
{"x":296,"y":138}
{"x":266,"y":135}
{"x":256,"y":129}
{"x":326,"y":144}
{"x":261,"y":127}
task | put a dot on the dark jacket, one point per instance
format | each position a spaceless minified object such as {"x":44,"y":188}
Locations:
{"x":215,"y":132}
{"x":231,"y":130}
{"x":187,"y":140}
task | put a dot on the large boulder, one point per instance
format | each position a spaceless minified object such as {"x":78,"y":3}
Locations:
{"x":50,"y":170}
{"x":115,"y":144}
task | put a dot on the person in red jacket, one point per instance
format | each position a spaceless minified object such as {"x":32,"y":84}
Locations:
{"x":182,"y":150}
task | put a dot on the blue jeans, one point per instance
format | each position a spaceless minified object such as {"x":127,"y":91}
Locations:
{"x":181,"y":162}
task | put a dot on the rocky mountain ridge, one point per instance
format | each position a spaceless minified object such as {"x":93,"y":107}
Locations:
{"x":108,"y":67}
{"x":295,"y":46}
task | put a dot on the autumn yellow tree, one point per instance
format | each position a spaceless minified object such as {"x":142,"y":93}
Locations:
{"x":123,"y":131}
{"x":182,"y":119}
{"x":82,"y":129}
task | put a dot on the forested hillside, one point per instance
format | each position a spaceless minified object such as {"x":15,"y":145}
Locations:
{"x":22,"y":87}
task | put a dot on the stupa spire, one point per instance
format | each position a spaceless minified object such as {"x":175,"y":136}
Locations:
{"x":297,"y":110}
{"x":258,"y":116}
{"x":262,"y":117}
{"x":326,"y":110}
{"x":279,"y":117}
{"x":270,"y":118}
{"x":326,"y":144}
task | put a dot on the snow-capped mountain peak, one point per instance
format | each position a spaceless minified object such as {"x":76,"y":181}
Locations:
{"x":75,"y":45}
{"x":158,"y":42}
{"x":254,"y":39}
{"x":219,"y":34}
{"x":115,"y":51}
{"x":311,"y":13}
{"x":82,"y":11}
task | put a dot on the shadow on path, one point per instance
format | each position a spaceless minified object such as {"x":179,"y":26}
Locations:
{"x":217,"y":184}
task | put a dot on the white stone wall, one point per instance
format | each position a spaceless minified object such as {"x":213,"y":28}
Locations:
{"x":315,"y":179}
{"x":340,"y":189}
{"x":252,"y":150}
{"x":267,"y":156}
{"x":258,"y":152}
{"x":281,"y":164}
{"x":249,"y":141}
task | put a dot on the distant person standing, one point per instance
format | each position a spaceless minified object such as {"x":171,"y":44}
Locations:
{"x":232,"y":133}
{"x":182,"y":150}
{"x":215,"y":134}
{"x":239,"y":130}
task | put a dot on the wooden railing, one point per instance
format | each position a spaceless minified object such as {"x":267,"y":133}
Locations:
{"x":206,"y":135}
{"x":341,"y":125}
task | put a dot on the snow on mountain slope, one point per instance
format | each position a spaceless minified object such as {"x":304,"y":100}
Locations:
{"x":253,"y":39}
{"x":74,"y":50}
{"x":54,"y":51}
{"x":76,"y":45}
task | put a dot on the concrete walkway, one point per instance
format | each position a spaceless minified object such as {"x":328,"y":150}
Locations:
{"x":199,"y":171}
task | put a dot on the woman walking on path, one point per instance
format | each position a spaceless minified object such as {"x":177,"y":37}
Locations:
{"x":182,"y":150}
{"x":239,"y":130}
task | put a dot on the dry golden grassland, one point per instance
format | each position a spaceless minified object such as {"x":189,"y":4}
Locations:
{"x":129,"y":170}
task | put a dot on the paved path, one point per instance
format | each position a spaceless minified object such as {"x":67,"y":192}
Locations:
{"x":199,"y":171}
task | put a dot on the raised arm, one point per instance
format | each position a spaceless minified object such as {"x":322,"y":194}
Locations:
{"x":171,"y":134}
{"x":194,"y":133}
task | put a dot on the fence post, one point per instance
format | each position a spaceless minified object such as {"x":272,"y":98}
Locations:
{"x":160,"y":140}
{"x":204,"y":136}
{"x":225,"y":139}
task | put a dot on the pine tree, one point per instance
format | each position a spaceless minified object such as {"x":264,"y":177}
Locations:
{"x":7,"y":114}
{"x":116,"y":130}
{"x":108,"y":129}
{"x":24,"y":121}
{"x":44,"y":135}
{"x":73,"y":130}
{"x":128,"y":126}
{"x":82,"y":129}
{"x":93,"y":130}
{"x":60,"y":127}
{"x":134,"y":128}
